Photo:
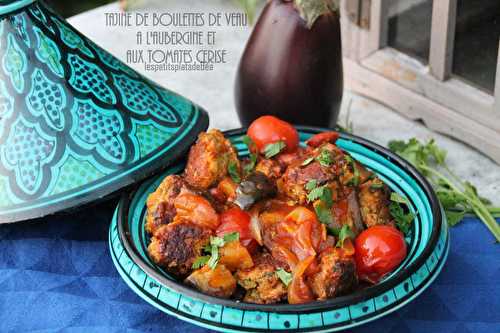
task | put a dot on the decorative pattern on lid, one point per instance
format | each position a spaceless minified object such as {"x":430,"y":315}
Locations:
{"x":76,"y":123}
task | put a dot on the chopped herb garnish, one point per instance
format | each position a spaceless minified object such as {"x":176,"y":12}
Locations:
{"x":248,"y":168}
{"x":344,"y":233}
{"x":376,"y":186}
{"x":402,"y":218}
{"x":324,"y":214}
{"x":284,"y":276}
{"x":200,"y":262}
{"x":396,"y":197}
{"x":311,"y":185}
{"x":231,"y":237}
{"x":274,"y":149}
{"x":323,"y":193}
{"x":307,"y":161}
{"x":354,"y":181}
{"x":325,"y":158}
{"x":233,"y":171}
{"x":213,"y":249}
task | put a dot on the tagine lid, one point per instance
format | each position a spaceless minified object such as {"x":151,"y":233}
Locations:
{"x":76,"y":124}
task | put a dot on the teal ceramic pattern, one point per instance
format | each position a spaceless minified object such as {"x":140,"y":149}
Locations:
{"x":76,"y":123}
{"x":428,"y":241}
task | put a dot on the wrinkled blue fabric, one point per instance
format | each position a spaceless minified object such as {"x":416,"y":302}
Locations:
{"x":56,"y":275}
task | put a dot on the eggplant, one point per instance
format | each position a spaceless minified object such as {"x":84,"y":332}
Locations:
{"x":292,"y":64}
{"x":254,"y":188}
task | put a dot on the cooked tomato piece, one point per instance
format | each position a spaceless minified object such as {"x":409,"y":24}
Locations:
{"x":235,"y":256}
{"x":379,"y":250}
{"x":300,"y":233}
{"x":269,"y":129}
{"x":325,"y":137}
{"x":236,"y":220}
{"x":197,"y":209}
{"x":298,"y":290}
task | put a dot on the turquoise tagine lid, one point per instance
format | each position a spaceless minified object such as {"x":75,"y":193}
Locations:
{"x":76,"y":124}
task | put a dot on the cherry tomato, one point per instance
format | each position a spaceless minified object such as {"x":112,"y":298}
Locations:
{"x":298,"y":290}
{"x":320,"y":138}
{"x":268,"y":129}
{"x":378,"y":251}
{"x":197,"y":209}
{"x":236,"y":220}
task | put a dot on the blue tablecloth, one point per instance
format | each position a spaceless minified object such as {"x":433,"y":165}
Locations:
{"x":57,"y":275}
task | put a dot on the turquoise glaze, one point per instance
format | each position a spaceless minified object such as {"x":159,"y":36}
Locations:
{"x":76,"y":124}
{"x":428,"y":251}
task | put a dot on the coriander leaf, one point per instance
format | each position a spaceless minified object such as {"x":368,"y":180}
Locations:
{"x":216,"y":241}
{"x":274,"y":149}
{"x":284,"y":276}
{"x":233,"y":171}
{"x":315,"y":194}
{"x":354,"y":181}
{"x":396,"y":197}
{"x":325,"y":158}
{"x":311,"y":185}
{"x":436,"y":152}
{"x":403,"y":220}
{"x":307,"y":161}
{"x":451,"y":199}
{"x":248,"y":167}
{"x":323,"y":213}
{"x":200,"y":262}
{"x":454,"y":217}
{"x":376,"y":186}
{"x":214,"y":258}
{"x":231,"y":237}
{"x":326,"y":197}
{"x":344,"y":233}
{"x":246,"y":140}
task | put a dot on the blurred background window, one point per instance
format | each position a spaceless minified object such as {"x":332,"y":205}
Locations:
{"x":476,"y":42}
{"x":410,"y":27}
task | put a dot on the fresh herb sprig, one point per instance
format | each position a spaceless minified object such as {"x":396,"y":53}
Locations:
{"x":274,"y":149}
{"x":342,"y":234}
{"x":457,"y":196}
{"x":248,"y":168}
{"x":234,"y":172}
{"x":212,"y":249}
{"x":403,"y":219}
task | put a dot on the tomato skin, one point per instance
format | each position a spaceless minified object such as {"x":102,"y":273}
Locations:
{"x":378,"y":251}
{"x":197,"y":209}
{"x":269,"y":129}
{"x":320,"y":138}
{"x":237,"y":220}
{"x":298,"y":290}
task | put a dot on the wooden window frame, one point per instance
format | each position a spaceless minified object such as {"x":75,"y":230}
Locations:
{"x":429,"y":93}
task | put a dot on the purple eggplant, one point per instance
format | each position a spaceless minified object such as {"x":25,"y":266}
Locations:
{"x":292,"y":64}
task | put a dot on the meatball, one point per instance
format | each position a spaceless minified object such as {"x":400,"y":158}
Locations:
{"x":374,"y":203}
{"x":270,"y":168}
{"x":261,"y":283}
{"x":336,"y":275}
{"x":160,"y":203}
{"x":176,"y":246}
{"x":217,"y":282}
{"x":209,"y":159}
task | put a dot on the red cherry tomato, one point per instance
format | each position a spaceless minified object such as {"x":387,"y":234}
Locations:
{"x":378,"y":251}
{"x":268,"y":129}
{"x":237,"y":220}
{"x":320,"y":138}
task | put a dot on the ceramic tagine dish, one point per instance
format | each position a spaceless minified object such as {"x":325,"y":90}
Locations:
{"x":76,"y":124}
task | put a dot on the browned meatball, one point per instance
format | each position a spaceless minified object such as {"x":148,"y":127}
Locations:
{"x":374,"y":202}
{"x":217,"y":282}
{"x":209,"y":159}
{"x":270,"y":168}
{"x":261,"y":283}
{"x":160,"y":203}
{"x":176,"y":246}
{"x":336,"y":275}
